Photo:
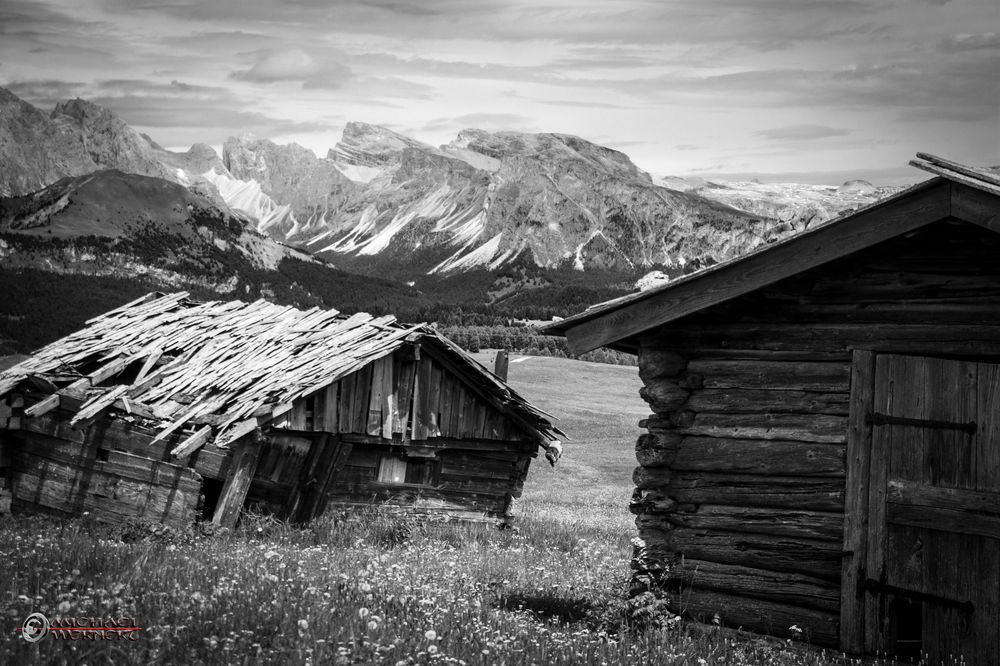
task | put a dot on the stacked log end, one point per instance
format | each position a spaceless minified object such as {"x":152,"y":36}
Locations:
{"x":739,"y":487}
{"x":665,"y":390}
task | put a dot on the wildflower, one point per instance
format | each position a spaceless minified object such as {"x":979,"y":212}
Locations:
{"x":303,"y":624}
{"x":430,"y":635}
{"x":363,"y":612}
{"x":372,"y":625}
{"x":432,"y":649}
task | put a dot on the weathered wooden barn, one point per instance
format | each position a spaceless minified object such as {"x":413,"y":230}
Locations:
{"x":824,"y":456}
{"x":170,"y":410}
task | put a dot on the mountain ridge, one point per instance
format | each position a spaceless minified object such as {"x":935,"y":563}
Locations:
{"x":380,"y":200}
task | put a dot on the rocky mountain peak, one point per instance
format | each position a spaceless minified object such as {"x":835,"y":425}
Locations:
{"x":308,"y":185}
{"x":34,"y":150}
{"x":109,"y":140}
{"x":82,"y":110}
{"x":548,"y":148}
{"x":7,"y":97}
{"x":366,"y":145}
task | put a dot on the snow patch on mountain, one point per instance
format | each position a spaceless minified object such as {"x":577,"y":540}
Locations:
{"x":359,"y":173}
{"x":472,"y":158}
{"x":247,"y":197}
{"x":352,"y":242}
{"x":463,"y":225}
{"x":481,"y":256}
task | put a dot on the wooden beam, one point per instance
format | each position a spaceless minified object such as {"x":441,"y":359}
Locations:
{"x":192,"y":443}
{"x":443,"y":443}
{"x":43,"y":406}
{"x":888,"y":219}
{"x":876,"y":536}
{"x":234,"y":490}
{"x":973,"y":205}
{"x":331,"y":461}
{"x":960,"y":174}
{"x":852,"y":617}
{"x":109,"y":370}
{"x":909,"y":493}
{"x":957,"y":521}
{"x":148,"y":365}
{"x":978,"y":172}
{"x":500,"y":364}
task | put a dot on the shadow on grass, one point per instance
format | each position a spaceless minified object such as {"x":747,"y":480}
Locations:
{"x":549,"y":607}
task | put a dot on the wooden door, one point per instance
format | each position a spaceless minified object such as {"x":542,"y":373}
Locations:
{"x":929,"y":581}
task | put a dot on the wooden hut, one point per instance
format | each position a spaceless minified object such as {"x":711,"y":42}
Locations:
{"x":823,"y":460}
{"x":169,"y":409}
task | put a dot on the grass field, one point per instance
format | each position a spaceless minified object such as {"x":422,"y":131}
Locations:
{"x":598,"y":407}
{"x":373,"y":589}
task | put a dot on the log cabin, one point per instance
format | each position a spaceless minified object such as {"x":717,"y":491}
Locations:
{"x":172,"y":410}
{"x":823,"y":456}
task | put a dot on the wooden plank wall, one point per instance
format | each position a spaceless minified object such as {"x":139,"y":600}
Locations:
{"x":109,"y":469}
{"x":401,"y":399}
{"x":470,"y":481}
{"x":6,"y":450}
{"x":741,"y":485}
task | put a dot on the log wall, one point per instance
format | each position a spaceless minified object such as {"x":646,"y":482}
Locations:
{"x":110,"y":469}
{"x":740,"y":487}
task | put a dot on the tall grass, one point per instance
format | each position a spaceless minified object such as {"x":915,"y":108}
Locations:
{"x":360,"y":588}
{"x":375,"y":588}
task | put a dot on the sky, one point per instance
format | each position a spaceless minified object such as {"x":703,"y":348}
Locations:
{"x":805,"y":90}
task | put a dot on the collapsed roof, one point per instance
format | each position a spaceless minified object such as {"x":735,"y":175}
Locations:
{"x":229,"y":367}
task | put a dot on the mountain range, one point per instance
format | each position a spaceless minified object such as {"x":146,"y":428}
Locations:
{"x":483,"y":201}
{"x":489,"y":226}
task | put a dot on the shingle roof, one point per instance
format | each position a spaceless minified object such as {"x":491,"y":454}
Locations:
{"x":222,"y":364}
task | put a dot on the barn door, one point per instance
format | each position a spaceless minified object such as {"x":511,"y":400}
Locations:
{"x":929,"y":583}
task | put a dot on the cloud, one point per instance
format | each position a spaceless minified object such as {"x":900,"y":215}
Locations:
{"x":970,"y":42}
{"x":585,"y":104}
{"x":368,"y":89}
{"x":19,"y":18}
{"x":801,"y":133}
{"x":294,"y":65}
{"x":168,"y":110}
{"x":686,"y":146}
{"x":46,"y":93}
{"x":484,"y":120}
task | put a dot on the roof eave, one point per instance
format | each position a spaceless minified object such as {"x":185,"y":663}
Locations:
{"x":618,"y":322}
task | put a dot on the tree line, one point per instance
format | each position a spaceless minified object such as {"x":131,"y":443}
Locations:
{"x":526,"y":339}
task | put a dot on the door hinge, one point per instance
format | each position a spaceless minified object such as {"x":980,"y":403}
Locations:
{"x":878,"y":587}
{"x":884,"y":419}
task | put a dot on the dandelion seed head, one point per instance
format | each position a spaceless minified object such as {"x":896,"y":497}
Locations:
{"x":430,"y":635}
